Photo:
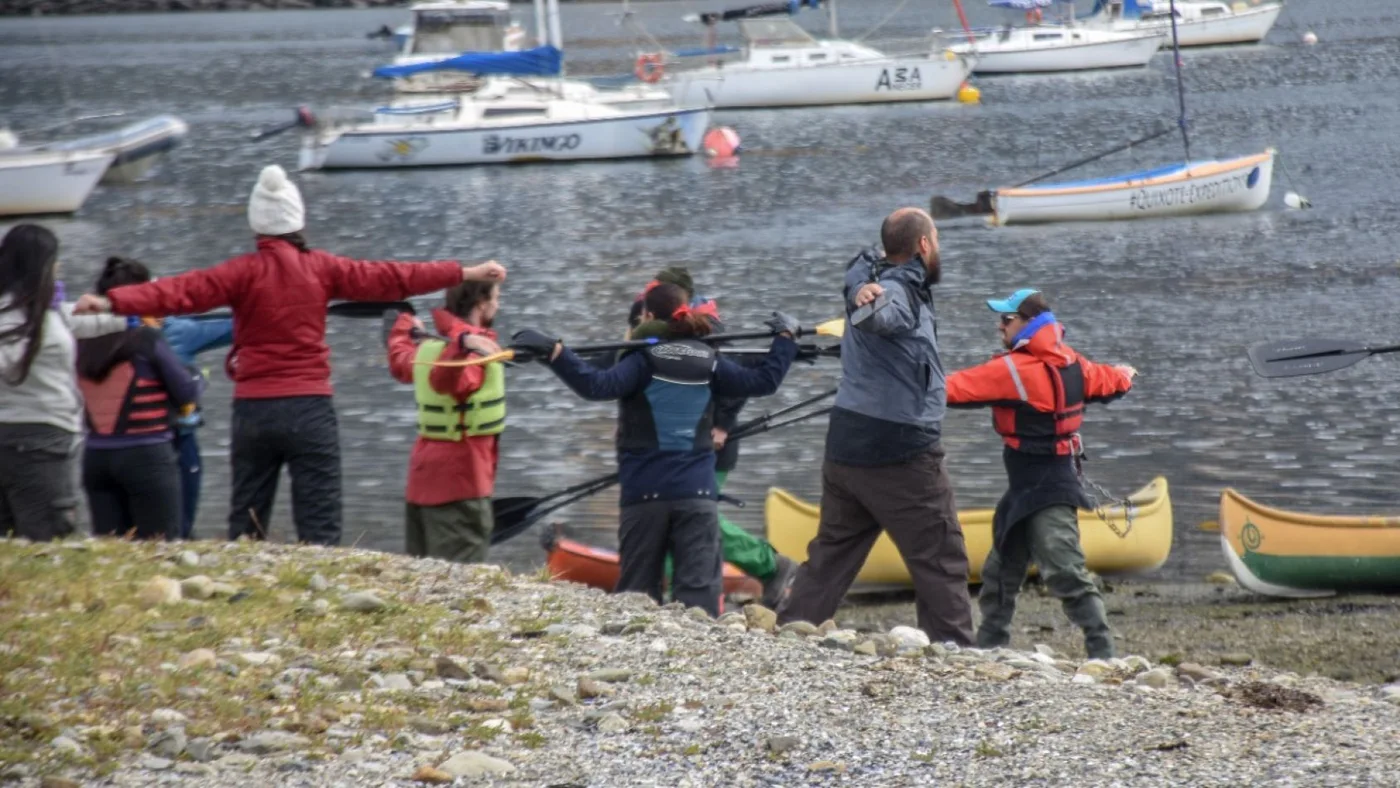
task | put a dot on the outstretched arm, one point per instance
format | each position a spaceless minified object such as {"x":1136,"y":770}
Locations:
{"x":734,"y":380}
{"x":187,"y":293}
{"x":623,"y":379}
{"x":362,"y":280}
{"x":894,"y":317}
{"x":987,"y":384}
{"x":1104,"y":382}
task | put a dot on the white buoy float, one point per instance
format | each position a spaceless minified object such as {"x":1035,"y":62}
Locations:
{"x":1296,"y":201}
{"x":1310,"y":38}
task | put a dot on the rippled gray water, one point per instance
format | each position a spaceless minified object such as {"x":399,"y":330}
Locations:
{"x":1177,"y":298}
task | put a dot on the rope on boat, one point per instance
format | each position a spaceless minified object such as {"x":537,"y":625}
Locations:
{"x":882,"y":22}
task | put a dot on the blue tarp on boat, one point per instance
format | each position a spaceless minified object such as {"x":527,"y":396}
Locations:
{"x":545,"y":61}
{"x":1132,"y":9}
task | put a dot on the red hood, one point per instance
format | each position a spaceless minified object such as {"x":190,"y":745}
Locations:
{"x":449,"y":325}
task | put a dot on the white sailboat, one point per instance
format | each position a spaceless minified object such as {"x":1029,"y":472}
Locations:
{"x":782,"y":65}
{"x":524,"y":111}
{"x":1198,"y":22}
{"x":57,"y":181}
{"x":1045,"y":48}
{"x":1190,"y":187}
{"x":443,"y":28}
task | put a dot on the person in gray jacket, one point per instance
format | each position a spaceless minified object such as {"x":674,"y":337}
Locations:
{"x":884,"y":467}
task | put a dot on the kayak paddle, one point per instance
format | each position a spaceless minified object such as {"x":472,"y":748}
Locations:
{"x":830,"y":328}
{"x":1294,"y":357}
{"x":515,"y":515}
{"x":372,"y":309}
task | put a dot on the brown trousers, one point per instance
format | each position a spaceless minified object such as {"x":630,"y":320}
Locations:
{"x":913,"y":502}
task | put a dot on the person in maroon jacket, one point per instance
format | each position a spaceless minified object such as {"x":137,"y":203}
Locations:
{"x":280,"y":363}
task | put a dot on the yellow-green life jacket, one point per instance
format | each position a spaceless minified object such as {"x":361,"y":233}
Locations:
{"x":442,"y":418}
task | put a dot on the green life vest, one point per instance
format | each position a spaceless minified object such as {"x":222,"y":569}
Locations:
{"x":442,"y":418}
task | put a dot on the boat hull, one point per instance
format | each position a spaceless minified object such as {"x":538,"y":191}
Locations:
{"x":49,"y":181}
{"x":792,"y":524}
{"x":136,"y":148}
{"x":864,"y":82}
{"x":1128,"y":53}
{"x":1295,"y":555}
{"x":577,"y":562}
{"x":1231,"y":185}
{"x":1246,"y":27}
{"x":673,"y":133}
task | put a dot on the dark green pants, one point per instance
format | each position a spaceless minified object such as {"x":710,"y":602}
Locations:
{"x":755,"y":557}
{"x":458,"y":531}
{"x":1050,"y":537}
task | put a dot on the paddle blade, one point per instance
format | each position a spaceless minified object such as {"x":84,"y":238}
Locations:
{"x":1294,"y":357}
{"x":512,"y":517}
{"x":831,"y":328}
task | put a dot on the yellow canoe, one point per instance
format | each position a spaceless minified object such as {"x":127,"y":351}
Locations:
{"x":792,"y":524}
{"x":1290,"y":554}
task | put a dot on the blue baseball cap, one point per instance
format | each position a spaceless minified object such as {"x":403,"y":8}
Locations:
{"x":1011,"y":303}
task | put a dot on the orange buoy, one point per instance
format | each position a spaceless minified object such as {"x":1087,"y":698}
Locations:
{"x":650,"y":67}
{"x":720,"y":142}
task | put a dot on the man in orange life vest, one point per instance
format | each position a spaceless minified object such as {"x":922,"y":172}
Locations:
{"x":1037,"y":391}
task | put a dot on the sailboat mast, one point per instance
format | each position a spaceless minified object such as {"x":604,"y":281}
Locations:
{"x":541,"y":32}
{"x":1180,"y":86}
{"x":831,"y":19}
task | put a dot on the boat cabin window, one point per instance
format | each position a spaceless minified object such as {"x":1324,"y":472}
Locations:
{"x":1164,"y":16}
{"x":817,"y":56}
{"x":774,"y":33}
{"x":781,"y":58}
{"x":449,"y":32}
{"x":511,"y":112}
{"x":1048,"y":36}
{"x":1212,"y":11}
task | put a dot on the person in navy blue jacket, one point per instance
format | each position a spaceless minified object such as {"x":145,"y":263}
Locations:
{"x":665,"y":451}
{"x":187,"y":337}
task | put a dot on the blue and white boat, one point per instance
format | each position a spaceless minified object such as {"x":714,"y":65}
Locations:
{"x":525,"y":111}
{"x":444,"y":28}
{"x":1198,"y":22}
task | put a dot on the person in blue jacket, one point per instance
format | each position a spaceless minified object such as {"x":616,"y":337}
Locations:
{"x":665,"y":451}
{"x":189,"y":337}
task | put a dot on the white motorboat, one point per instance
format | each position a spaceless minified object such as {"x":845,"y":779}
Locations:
{"x":782,"y":65}
{"x":443,"y":28}
{"x":1047,"y":48}
{"x":1198,"y":22}
{"x":135,"y":148}
{"x":48,"y":181}
{"x":536,"y":115}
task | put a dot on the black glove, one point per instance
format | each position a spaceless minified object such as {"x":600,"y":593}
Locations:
{"x":387,"y":320}
{"x":781,"y":322}
{"x":536,"y":343}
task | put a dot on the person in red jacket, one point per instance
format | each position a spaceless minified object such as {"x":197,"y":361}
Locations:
{"x":461,"y":414}
{"x":1037,"y":391}
{"x":280,"y":363}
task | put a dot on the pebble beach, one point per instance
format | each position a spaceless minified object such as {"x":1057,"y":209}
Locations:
{"x":257,"y":664}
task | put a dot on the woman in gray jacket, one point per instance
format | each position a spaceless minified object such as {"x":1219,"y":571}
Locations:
{"x":41,"y":409}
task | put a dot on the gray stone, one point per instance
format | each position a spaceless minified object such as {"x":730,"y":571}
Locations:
{"x":1157,"y":678}
{"x":198,"y":658}
{"x":452,"y":668}
{"x":66,"y":745}
{"x":690,"y":725}
{"x":612,"y":722}
{"x":267,"y":742}
{"x":909,"y":638}
{"x":1041,"y":648}
{"x":197,"y":587}
{"x":395,"y":681}
{"x":611,"y":675}
{"x":318,"y":583}
{"x":201,"y":749}
{"x":156,"y":764}
{"x":781,"y":744}
{"x":1237,"y":658}
{"x":362,"y":602}
{"x":425,"y":724}
{"x":804,"y":629}
{"x":867,"y":648}
{"x":760,"y":618}
{"x":187,"y":558}
{"x":841,"y":639}
{"x":168,"y":717}
{"x":194,"y":769}
{"x":698,"y":614}
{"x":589,"y":689}
{"x":563,"y":694}
{"x":168,"y":744}
{"x":475,"y":764}
{"x":259,"y":658}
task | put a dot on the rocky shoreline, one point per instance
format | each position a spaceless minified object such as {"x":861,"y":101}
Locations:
{"x":237,"y":664}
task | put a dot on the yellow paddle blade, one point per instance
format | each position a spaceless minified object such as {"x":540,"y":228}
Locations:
{"x":504,"y":355}
{"x":1209,"y":525}
{"x":831,"y":328}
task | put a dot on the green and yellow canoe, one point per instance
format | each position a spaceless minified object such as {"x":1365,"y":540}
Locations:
{"x":1289,"y":554}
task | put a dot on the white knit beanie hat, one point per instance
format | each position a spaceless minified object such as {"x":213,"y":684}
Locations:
{"x":275,"y":206}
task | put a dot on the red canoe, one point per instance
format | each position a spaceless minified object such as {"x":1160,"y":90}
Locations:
{"x":580,"y":563}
